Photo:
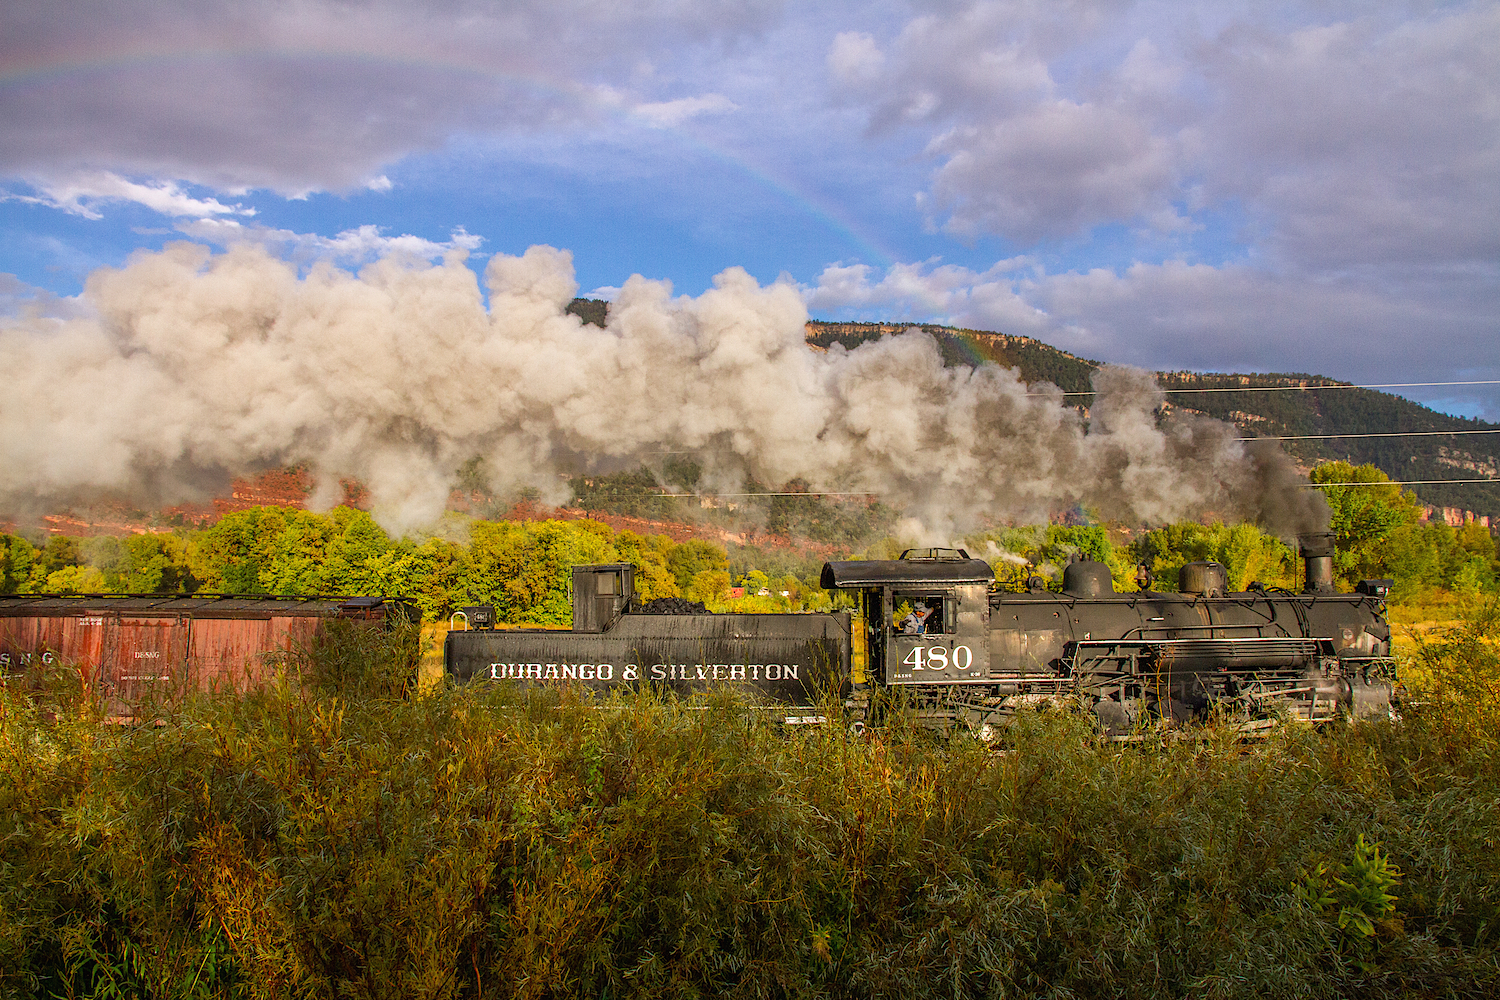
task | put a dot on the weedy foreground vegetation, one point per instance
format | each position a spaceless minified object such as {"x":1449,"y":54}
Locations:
{"x":343,"y":836}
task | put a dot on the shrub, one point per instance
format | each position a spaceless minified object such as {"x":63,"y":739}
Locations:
{"x":325,"y":840}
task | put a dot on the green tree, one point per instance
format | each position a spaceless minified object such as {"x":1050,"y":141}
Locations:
{"x":355,"y":551}
{"x":155,"y":564}
{"x":692,"y":557}
{"x":293,"y":553}
{"x":1366,"y":508}
{"x":711,"y":587}
{"x":1421,"y":557}
{"x":17,"y":557}
{"x":525,"y":569}
{"x":59,"y":552}
{"x":75,"y":580}
{"x":1247,"y":553}
{"x":227,"y":557}
{"x":434,"y":574}
{"x":648,"y":554}
{"x":1476,"y":538}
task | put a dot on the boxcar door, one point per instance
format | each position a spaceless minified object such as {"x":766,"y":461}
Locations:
{"x":144,"y":660}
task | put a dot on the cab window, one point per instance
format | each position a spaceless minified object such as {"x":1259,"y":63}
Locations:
{"x":917,"y":614}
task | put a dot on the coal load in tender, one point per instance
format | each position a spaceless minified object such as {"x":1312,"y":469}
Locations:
{"x":673,"y":606}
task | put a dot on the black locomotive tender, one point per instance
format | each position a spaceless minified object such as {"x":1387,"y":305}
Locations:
{"x":931,"y":624}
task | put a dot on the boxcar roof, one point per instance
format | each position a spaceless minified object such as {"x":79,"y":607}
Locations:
{"x":191,"y":605}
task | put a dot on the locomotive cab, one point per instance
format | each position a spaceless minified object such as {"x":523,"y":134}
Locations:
{"x":926,"y":615}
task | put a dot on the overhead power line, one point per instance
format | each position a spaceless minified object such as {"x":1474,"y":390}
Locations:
{"x":1404,"y":482}
{"x":1303,"y":388}
{"x":1380,"y":434}
{"x":1387,"y":482}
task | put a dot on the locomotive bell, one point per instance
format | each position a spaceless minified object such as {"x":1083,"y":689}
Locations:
{"x":1210,"y":579}
{"x":1086,"y":578}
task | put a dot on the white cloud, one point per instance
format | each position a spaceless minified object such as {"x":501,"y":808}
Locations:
{"x":81,"y":194}
{"x":1363,"y":143}
{"x":20,"y":301}
{"x":1346,"y":135}
{"x":1344,"y":153}
{"x":1059,"y":168}
{"x":362,"y":244}
{"x":855,"y":58}
{"x":666,"y":114}
{"x":935,"y":292}
{"x":1178,"y":315}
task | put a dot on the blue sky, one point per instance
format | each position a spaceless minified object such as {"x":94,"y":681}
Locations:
{"x":1239,"y":186}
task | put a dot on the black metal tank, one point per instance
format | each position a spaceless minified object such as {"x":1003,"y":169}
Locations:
{"x":793,"y":661}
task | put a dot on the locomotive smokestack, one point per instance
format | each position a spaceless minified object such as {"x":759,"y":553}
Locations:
{"x":1317,"y":553}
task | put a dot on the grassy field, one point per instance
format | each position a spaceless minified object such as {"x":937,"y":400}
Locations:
{"x":333,"y":838}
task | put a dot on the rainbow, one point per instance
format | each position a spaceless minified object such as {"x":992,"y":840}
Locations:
{"x":21,"y":74}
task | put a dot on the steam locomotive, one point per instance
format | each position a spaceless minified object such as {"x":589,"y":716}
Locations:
{"x":932,"y":625}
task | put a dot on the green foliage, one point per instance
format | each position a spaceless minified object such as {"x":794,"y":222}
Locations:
{"x":594,"y":311}
{"x":825,"y":519}
{"x":1246,"y":552}
{"x":710,"y":586}
{"x":60,"y":552}
{"x":17,"y":557}
{"x":354,"y":659}
{"x":74,"y":580}
{"x":324,"y":840}
{"x":692,"y":557}
{"x":1357,"y":896}
{"x":649,"y":554}
{"x":1363,"y":515}
{"x":635,"y":494}
{"x":1016,"y":553}
{"x":525,"y":569}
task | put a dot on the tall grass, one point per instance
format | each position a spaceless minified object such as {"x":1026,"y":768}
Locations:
{"x":342,"y":838}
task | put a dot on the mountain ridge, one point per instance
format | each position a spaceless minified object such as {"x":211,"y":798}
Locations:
{"x":1300,"y":404}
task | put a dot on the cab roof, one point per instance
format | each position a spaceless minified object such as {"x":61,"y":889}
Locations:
{"x":919,"y":566}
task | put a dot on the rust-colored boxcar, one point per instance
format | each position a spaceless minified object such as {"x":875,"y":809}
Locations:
{"x":133,"y":647}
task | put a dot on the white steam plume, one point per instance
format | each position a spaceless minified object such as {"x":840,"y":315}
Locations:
{"x":198,"y":367}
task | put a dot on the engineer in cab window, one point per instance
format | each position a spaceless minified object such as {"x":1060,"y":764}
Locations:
{"x":922,"y":620}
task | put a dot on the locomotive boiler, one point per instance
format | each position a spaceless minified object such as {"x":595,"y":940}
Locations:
{"x":932,"y":626}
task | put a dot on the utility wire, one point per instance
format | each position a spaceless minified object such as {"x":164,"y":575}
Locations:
{"x":1389,"y":482}
{"x":1402,"y":482}
{"x":766,"y":494}
{"x":1381,"y":434}
{"x":1302,"y":388}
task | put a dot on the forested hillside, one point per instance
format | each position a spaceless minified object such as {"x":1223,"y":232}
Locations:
{"x":1316,"y":406}
{"x":1308,"y":405}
